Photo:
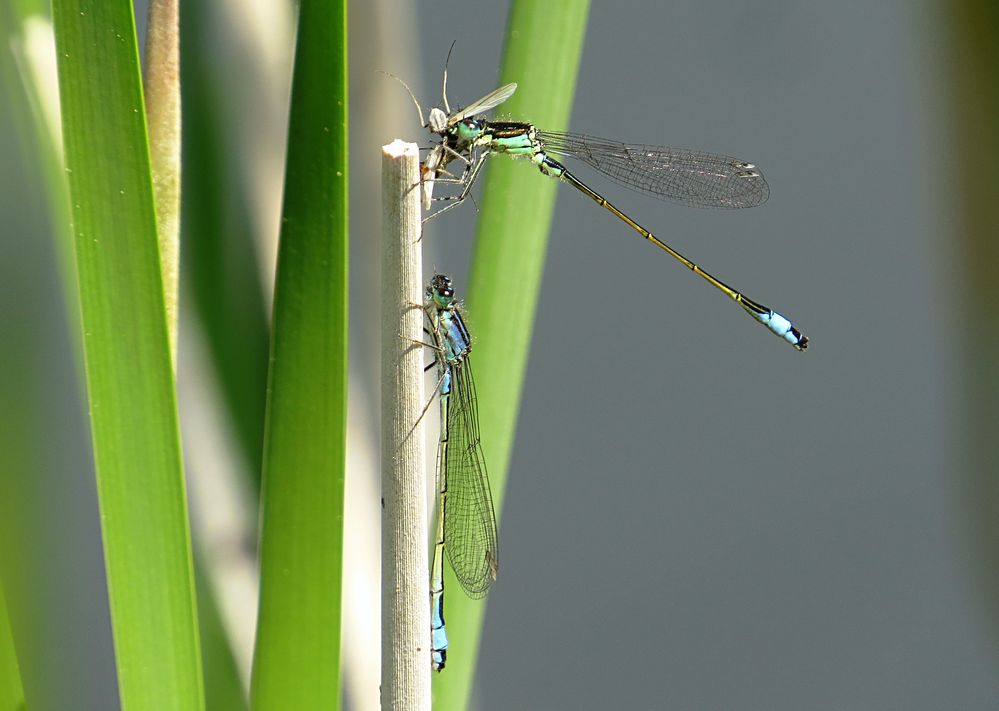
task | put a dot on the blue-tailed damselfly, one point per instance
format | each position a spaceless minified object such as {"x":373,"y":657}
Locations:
{"x":694,"y":178}
{"x":466,"y":522}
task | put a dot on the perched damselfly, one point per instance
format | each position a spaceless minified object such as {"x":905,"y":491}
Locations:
{"x":689,"y":177}
{"x":466,"y":522}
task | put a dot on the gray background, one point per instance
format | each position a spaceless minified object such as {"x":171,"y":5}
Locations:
{"x":698,"y":517}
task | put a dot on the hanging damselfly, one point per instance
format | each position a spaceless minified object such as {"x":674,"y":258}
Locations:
{"x":466,"y":522}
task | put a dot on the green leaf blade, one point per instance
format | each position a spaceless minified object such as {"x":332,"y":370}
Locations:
{"x":129,"y":374}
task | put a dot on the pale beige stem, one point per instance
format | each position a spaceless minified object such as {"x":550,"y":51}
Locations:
{"x":162,"y":92}
{"x":405,"y":573}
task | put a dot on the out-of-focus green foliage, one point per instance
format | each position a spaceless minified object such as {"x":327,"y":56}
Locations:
{"x":130,"y":383}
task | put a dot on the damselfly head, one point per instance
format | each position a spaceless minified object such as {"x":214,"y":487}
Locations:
{"x":470,"y":129}
{"x":441,"y":284}
{"x":441,"y":291}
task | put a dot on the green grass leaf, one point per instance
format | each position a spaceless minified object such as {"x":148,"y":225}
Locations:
{"x":297,"y":658}
{"x":130,"y":383}
{"x":543,"y":45}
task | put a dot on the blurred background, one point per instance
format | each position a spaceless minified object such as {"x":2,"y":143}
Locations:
{"x":698,"y":517}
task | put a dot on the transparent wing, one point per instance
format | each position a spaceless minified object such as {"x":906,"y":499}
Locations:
{"x":690,"y":177}
{"x":469,"y":520}
{"x":489,"y":101}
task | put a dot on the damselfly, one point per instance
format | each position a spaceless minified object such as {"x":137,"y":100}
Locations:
{"x":466,"y":523}
{"x":689,"y":177}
